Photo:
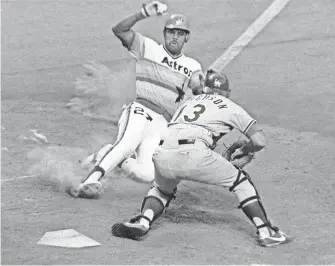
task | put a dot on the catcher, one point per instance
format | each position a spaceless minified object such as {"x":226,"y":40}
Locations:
{"x":187,"y":153}
{"x":163,"y":76}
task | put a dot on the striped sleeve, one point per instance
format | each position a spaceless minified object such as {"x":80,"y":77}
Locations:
{"x":243,"y":121}
{"x":253,"y":121}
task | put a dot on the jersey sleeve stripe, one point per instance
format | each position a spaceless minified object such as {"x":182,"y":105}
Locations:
{"x":248,"y":126}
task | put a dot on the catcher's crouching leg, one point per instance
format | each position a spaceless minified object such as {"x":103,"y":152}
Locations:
{"x":250,"y":203}
{"x":153,"y":206}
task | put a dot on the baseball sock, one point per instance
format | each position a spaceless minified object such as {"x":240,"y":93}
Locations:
{"x":149,"y":214}
{"x":95,"y":175}
{"x":256,"y":214}
{"x":151,"y":209}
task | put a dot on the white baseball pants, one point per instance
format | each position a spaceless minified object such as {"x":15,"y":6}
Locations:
{"x":140,"y":130}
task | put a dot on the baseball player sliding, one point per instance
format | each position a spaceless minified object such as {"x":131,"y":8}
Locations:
{"x":163,"y":76}
{"x":186,"y":153}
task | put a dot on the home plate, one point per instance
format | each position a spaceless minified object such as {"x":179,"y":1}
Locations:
{"x":67,"y":238}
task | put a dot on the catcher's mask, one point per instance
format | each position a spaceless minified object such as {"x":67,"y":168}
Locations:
{"x":216,"y":83}
{"x":178,"y":21}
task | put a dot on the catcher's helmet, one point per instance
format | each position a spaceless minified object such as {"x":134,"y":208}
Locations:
{"x":178,"y":21}
{"x":216,"y":81}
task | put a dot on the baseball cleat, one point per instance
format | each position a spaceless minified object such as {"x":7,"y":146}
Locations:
{"x":276,"y":239}
{"x":89,"y":191}
{"x":133,"y":229}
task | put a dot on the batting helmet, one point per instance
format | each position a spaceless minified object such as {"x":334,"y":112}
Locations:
{"x":178,"y":21}
{"x":216,"y":81}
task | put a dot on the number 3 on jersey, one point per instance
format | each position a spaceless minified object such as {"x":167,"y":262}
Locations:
{"x":198,"y":109}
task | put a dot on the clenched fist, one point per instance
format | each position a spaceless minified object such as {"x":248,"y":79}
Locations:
{"x":154,"y":8}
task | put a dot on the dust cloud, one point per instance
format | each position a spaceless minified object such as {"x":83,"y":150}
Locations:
{"x":64,"y":166}
{"x":101,"y":92}
{"x":61,"y":165}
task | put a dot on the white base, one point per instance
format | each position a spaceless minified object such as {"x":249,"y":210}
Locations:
{"x":67,"y":238}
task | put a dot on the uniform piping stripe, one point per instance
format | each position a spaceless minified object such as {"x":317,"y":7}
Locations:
{"x":118,"y":141}
{"x":248,"y":126}
{"x":143,"y":51}
{"x":158,"y":83}
{"x":131,"y":42}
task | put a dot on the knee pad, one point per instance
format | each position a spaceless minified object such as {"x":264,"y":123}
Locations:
{"x":244,"y":189}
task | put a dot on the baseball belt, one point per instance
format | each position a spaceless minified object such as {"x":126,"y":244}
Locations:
{"x":181,"y":141}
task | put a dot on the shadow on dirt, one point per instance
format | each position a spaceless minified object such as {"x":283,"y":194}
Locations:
{"x":191,"y":209}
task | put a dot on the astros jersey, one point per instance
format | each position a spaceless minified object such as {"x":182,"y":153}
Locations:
{"x":216,"y":113}
{"x":161,"y":79}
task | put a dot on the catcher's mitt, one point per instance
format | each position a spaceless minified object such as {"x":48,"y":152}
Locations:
{"x":241,"y":160}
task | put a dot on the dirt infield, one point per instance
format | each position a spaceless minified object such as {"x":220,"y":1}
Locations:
{"x":284,"y":78}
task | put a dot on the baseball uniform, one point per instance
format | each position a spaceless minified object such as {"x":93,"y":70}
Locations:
{"x":187,"y":151}
{"x":162,"y":82}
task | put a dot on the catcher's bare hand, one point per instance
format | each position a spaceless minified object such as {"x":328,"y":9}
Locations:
{"x":237,"y":154}
{"x":154,"y":8}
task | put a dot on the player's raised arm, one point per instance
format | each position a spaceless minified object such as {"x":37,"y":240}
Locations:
{"x":123,"y":30}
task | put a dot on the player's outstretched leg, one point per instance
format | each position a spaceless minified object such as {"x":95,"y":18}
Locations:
{"x":153,"y":206}
{"x":250,"y":202}
{"x":142,"y":168}
{"x":110,"y":156}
